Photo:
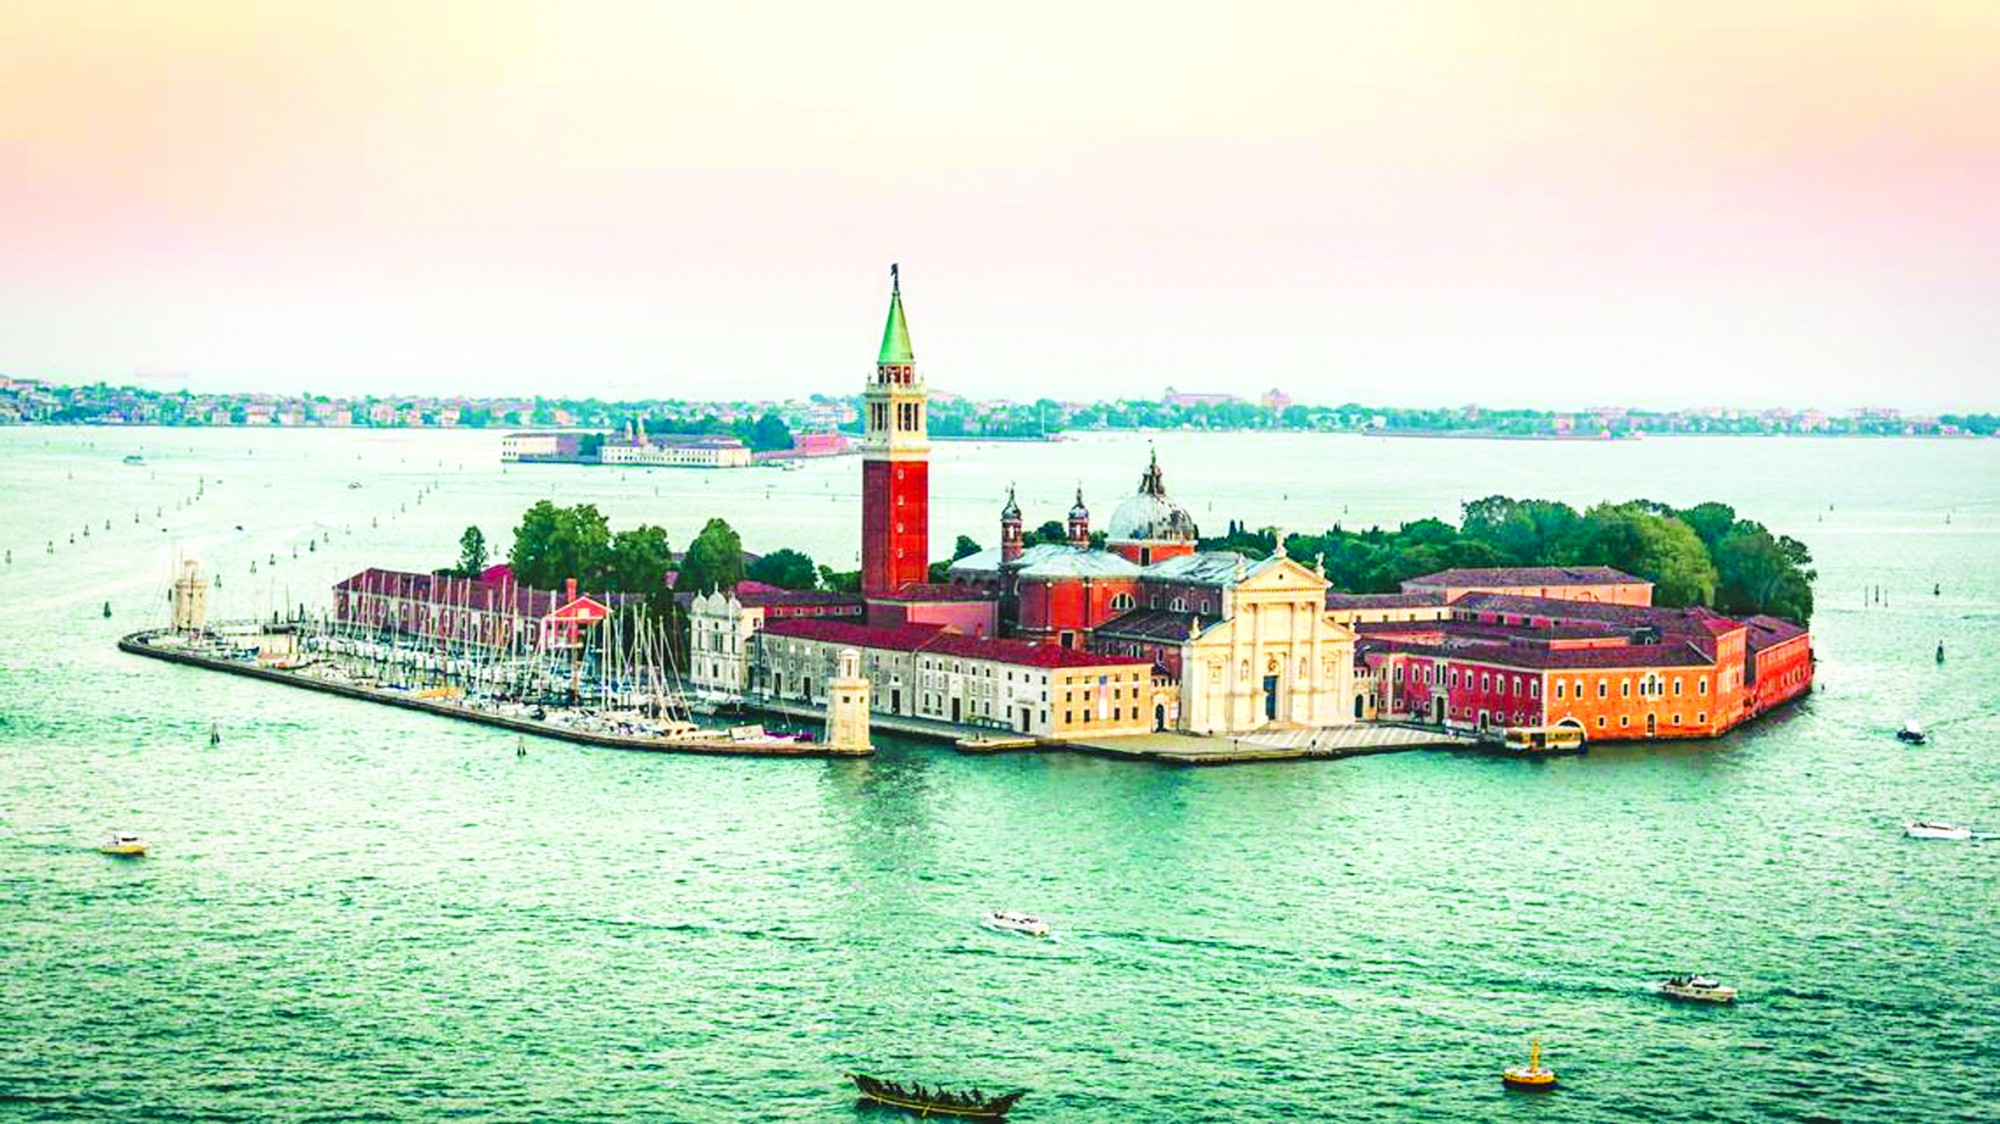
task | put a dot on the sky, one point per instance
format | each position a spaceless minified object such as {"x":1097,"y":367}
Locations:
{"x":1412,"y":203}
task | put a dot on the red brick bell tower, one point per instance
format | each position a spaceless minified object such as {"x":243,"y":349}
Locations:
{"x":895,"y":464}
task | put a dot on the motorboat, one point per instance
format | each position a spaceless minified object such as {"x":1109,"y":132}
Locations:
{"x":1527,"y":741}
{"x":130,"y":846}
{"x":135,"y":458}
{"x":1009,"y":921}
{"x":1534,"y":1075}
{"x":1911,"y":733}
{"x":1923,"y":829}
{"x":1698,"y":989}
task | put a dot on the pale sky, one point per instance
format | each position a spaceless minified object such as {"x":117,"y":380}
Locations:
{"x":1402,"y":203}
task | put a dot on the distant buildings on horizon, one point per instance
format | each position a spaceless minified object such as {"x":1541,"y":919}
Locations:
{"x":36,"y":401}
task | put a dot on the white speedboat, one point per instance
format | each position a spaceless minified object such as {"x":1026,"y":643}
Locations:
{"x":1924,"y":830}
{"x":1699,"y":989}
{"x":1012,"y":922}
{"x":1912,"y":733}
{"x":127,"y":845}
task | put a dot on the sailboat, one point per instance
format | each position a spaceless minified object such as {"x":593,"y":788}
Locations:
{"x":1531,"y":1076}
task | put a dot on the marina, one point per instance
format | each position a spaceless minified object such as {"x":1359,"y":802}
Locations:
{"x":611,"y":730}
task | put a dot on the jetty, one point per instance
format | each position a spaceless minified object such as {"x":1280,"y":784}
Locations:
{"x":209,"y":653}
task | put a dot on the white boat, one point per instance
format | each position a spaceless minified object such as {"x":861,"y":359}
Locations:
{"x":1911,"y":732}
{"x":1012,"y":922}
{"x":1925,"y":830}
{"x":122,"y":844}
{"x":1700,"y":989}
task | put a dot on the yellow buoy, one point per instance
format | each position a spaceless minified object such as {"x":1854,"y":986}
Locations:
{"x":1532,"y":1075}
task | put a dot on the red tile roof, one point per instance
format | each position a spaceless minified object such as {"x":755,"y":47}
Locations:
{"x":934,"y":591}
{"x":934,"y":639}
{"x":1527,"y":575}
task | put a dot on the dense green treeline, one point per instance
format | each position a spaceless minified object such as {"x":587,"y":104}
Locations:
{"x":1702,"y":555}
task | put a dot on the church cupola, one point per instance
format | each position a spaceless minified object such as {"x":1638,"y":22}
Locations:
{"x":1079,"y":523}
{"x":1010,"y":529}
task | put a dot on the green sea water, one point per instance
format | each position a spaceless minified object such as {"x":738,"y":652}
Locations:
{"x":354,"y":913}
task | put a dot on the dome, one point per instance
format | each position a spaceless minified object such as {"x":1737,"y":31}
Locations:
{"x":1150,"y":516}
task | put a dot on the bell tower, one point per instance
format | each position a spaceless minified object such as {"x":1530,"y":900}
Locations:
{"x":895,"y":463}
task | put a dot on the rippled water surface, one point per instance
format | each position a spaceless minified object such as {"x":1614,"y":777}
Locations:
{"x":363,"y":914}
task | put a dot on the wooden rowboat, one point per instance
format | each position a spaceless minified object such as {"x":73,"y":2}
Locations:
{"x":972,"y":1105}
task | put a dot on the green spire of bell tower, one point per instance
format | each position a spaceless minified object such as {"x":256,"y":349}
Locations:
{"x":896,"y":333}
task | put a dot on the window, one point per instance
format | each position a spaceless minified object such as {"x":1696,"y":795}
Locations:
{"x":1701,"y":717}
{"x":1624,"y":720}
{"x":1559,"y":688}
{"x":1677,"y":719}
{"x":1624,"y":688}
{"x":1701,"y":686}
{"x":1454,"y":677}
{"x":1677,"y":687}
{"x":1121,"y":601}
{"x":1180,"y":604}
{"x":1485,"y":682}
{"x":1534,"y":688}
{"x":1600,"y":721}
{"x":1602,"y":688}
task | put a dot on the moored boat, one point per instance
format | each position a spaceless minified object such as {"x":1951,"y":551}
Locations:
{"x":129,"y":846}
{"x":1698,"y":989}
{"x":1923,"y":829}
{"x":970,"y":1104}
{"x":1530,"y":741}
{"x":1531,"y":1076}
{"x":1013,"y":922}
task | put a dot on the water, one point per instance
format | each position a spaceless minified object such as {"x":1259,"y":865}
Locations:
{"x":359,"y":914}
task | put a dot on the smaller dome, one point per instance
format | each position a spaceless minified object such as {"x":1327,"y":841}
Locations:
{"x":1079,"y":511}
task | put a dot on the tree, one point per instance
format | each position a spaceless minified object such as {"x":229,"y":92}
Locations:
{"x":713,"y":561}
{"x":770,"y":433}
{"x":965,"y":547}
{"x":1050,"y":531}
{"x":1661,"y":549}
{"x":471,"y":553}
{"x":554,"y":544}
{"x":640,"y":559}
{"x":838,"y":581}
{"x":1762,"y":574}
{"x":785,"y":568}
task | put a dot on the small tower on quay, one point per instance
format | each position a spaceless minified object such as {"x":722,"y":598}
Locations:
{"x":847,"y":707}
{"x":1079,"y":522}
{"x":190,"y":594}
{"x":895,"y":463}
{"x":1010,"y":529}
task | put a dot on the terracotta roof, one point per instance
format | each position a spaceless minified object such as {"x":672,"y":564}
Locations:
{"x":1561,"y":612}
{"x":933,"y":591}
{"x":1526,"y":575}
{"x":1149,"y":625}
{"x":1554,"y":659}
{"x":1021,"y":652}
{"x":937,"y":640}
{"x":1768,"y":632}
{"x":1420,"y":599}
{"x":898,"y":638}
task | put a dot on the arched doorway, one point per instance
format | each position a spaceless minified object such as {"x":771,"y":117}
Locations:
{"x":1437,"y":710}
{"x":1652,"y":725}
{"x":1159,"y":716}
